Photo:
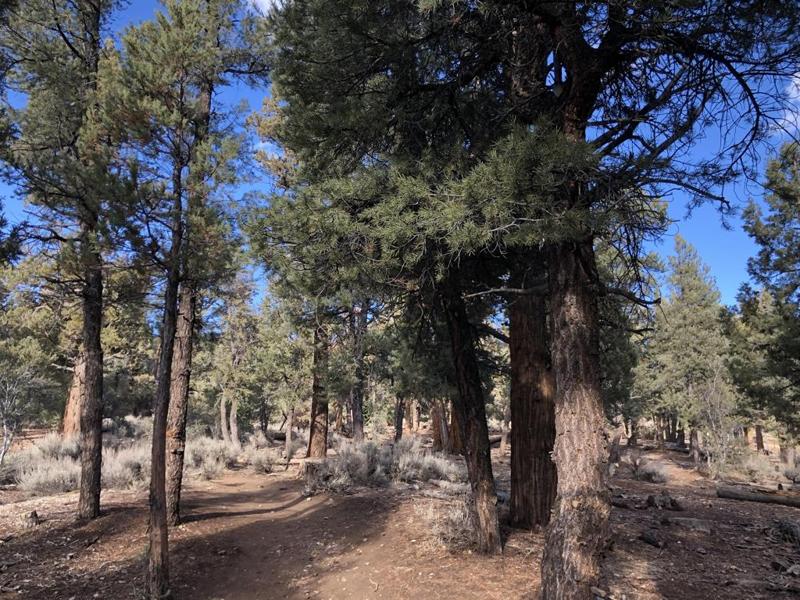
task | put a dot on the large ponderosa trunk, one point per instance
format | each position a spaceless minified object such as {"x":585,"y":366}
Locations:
{"x":470,"y":409}
{"x":358,"y":330}
{"x":179,"y":402}
{"x":318,"y":427}
{"x":579,"y":525}
{"x":71,"y":423}
{"x":533,"y":432}
{"x":91,"y":429}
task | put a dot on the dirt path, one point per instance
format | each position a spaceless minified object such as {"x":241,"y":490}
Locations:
{"x":248,"y":537}
{"x":252,"y":536}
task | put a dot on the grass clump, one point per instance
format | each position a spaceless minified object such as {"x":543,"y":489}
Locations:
{"x":372,"y":465}
{"x":453,"y":524}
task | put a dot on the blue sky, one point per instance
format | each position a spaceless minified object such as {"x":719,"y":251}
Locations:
{"x":725,"y":250}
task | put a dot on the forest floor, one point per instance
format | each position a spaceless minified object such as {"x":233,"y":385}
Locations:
{"x":252,"y":536}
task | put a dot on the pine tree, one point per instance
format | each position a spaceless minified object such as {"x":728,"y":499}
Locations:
{"x":60,"y":153}
{"x":776,"y":230}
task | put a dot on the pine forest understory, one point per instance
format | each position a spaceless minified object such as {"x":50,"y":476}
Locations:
{"x":357,"y":299}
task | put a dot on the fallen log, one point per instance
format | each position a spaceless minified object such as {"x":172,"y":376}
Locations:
{"x":495,"y":439}
{"x":732,"y":493}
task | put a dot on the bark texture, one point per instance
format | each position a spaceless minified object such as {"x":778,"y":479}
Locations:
{"x":234,"y":423}
{"x":759,"y":438}
{"x":71,"y":423}
{"x":179,"y":402}
{"x":91,"y":432}
{"x":533,"y":432}
{"x":470,"y":409}
{"x":579,"y":524}
{"x":399,"y":409}
{"x":318,"y":427}
{"x":358,"y":330}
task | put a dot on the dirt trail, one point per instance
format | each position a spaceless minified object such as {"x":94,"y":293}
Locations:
{"x":252,"y":536}
{"x":248,"y":537}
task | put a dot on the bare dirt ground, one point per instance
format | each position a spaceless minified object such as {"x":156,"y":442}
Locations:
{"x":259,"y":537}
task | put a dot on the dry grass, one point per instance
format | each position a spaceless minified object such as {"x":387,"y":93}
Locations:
{"x":452,"y":524}
{"x":371,"y":465}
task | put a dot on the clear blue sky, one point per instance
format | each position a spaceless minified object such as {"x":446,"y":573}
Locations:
{"x":725,"y":250}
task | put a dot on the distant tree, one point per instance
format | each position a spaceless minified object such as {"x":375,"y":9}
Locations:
{"x":775,"y":227}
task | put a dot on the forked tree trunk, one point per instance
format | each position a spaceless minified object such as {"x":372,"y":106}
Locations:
{"x":358,"y":330}
{"x":71,"y":423}
{"x":578,"y":528}
{"x":759,"y":438}
{"x":470,"y":408}
{"x":399,"y":407}
{"x":158,"y":550}
{"x":234,"y":423}
{"x":533,"y":432}
{"x":223,"y":419}
{"x":318,"y":427}
{"x":91,"y":429}
{"x":179,"y":401}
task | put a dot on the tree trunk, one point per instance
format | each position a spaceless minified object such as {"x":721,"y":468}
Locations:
{"x":263,"y":418}
{"x":179,"y":401}
{"x":8,"y":437}
{"x":408,"y":425}
{"x":158,"y":551}
{"x":415,"y":416}
{"x":759,"y":438}
{"x":398,"y":419}
{"x":633,"y":438}
{"x":71,"y":423}
{"x":470,"y":409}
{"x":91,"y":429}
{"x":533,"y":431}
{"x":223,"y":419}
{"x":694,"y":445}
{"x":681,"y":437}
{"x":288,"y":446}
{"x":456,"y":444}
{"x":358,"y":330}
{"x":234,"y":423}
{"x":318,"y":426}
{"x":578,"y":528}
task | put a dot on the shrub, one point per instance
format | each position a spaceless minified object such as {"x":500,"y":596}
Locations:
{"x":369,"y":464}
{"x":53,"y":445}
{"x":260,"y":459}
{"x":453,"y":524}
{"x":126,"y":467}
{"x":201,"y":451}
{"x":792,"y":475}
{"x":652,"y":472}
{"x":757,"y":467}
{"x":49,"y":476}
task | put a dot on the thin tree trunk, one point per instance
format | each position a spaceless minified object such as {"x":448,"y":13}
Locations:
{"x":633,"y":438}
{"x":408,"y":425}
{"x":694,"y":445}
{"x":444,"y":431}
{"x":415,"y":413}
{"x":681,"y":437}
{"x":358,"y":330}
{"x":399,"y":407}
{"x":759,"y":438}
{"x":8,"y":437}
{"x":234,"y":423}
{"x":289,"y":425}
{"x":263,"y":418}
{"x":91,"y":430}
{"x":470,"y":408}
{"x":533,"y":432}
{"x":158,"y":551}
{"x":71,"y":423}
{"x":179,"y":401}
{"x":578,"y":528}
{"x":223,"y":419}
{"x":318,"y":426}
